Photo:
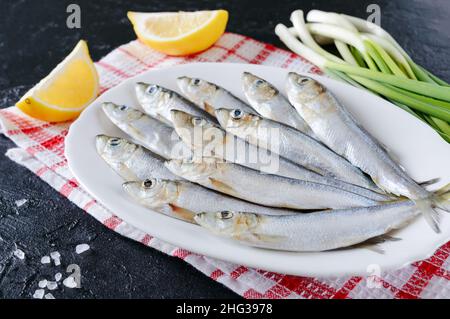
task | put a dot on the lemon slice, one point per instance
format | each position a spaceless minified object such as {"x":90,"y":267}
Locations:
{"x":66,"y":91}
{"x":179,"y":33}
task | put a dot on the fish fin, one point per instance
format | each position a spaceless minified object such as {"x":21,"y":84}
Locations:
{"x":441,"y":198}
{"x":209,"y":108}
{"x":221,"y":186}
{"x":374,"y":243}
{"x":429,"y":182}
{"x":182,"y":213}
{"x":427,"y":208}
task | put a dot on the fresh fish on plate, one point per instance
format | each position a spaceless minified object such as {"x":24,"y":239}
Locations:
{"x":158,"y":101}
{"x":208,"y":95}
{"x":337,"y":128}
{"x":186,"y":199}
{"x":131,"y":161}
{"x":265,"y":189}
{"x":292,"y":145}
{"x":207,"y":139}
{"x":318,"y":231}
{"x":271,"y":104}
{"x":153,"y":134}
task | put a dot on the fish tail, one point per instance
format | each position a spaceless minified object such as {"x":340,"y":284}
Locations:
{"x":439,"y":200}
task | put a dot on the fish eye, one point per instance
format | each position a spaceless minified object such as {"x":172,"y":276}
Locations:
{"x":259,"y":82}
{"x":196,"y":82}
{"x":225,"y":215}
{"x":152,"y":89}
{"x":148,"y":183}
{"x":196,"y":121}
{"x":123,"y":107}
{"x":236,"y":114}
{"x":114,"y":141}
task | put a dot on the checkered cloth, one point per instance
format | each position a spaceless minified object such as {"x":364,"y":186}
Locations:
{"x":41,"y":150}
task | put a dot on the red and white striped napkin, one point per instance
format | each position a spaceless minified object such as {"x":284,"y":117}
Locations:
{"x":41,"y":149}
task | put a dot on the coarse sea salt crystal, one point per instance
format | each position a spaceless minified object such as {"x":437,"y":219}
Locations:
{"x":42,"y":283}
{"x":81,"y":248}
{"x":57,"y":261}
{"x":21,"y":202}
{"x":45,"y":260}
{"x":38,"y":294}
{"x":58,"y":276}
{"x":55,"y":255}
{"x":69,"y":282}
{"x":49,"y":296}
{"x":19,"y":254}
{"x":52,"y":285}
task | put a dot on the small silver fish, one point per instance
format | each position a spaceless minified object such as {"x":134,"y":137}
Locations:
{"x":208,"y":95}
{"x":184,"y":199}
{"x":158,"y":102}
{"x":206,"y":139}
{"x":270,"y":103}
{"x":265,"y":189}
{"x":153,"y":134}
{"x":337,"y":128}
{"x":129,"y":160}
{"x":292,"y":145}
{"x":318,"y":231}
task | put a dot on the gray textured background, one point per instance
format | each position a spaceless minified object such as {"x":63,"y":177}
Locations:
{"x":34,"y":38}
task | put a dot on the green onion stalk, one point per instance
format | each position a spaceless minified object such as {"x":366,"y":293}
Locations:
{"x":371,"y":59}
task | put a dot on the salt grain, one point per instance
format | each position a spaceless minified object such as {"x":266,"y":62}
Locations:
{"x":38,"y":294}
{"x":52,"y":285}
{"x":19,"y":254}
{"x":81,"y":248}
{"x":55,"y":255}
{"x":58,"y":276}
{"x":45,"y":260}
{"x":57,"y":261}
{"x":21,"y":202}
{"x":49,"y":296}
{"x":69,"y":282}
{"x":42,"y":283}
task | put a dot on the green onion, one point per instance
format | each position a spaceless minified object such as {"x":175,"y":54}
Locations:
{"x":371,"y":59}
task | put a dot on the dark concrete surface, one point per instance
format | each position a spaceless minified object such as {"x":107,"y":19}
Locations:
{"x":34,"y":38}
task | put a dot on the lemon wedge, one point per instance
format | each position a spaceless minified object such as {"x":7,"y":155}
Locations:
{"x":179,"y":33}
{"x":66,"y":91}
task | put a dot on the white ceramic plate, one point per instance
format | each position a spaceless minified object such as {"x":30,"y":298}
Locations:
{"x":418,"y":148}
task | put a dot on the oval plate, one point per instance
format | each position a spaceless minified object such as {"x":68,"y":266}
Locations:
{"x":417,"y":147}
